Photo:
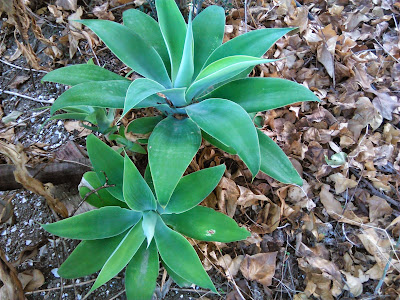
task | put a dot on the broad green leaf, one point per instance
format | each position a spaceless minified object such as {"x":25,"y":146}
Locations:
{"x":171,"y":148}
{"x":143,"y":125}
{"x":205,"y":224}
{"x":130,"y":48}
{"x":101,"y":197}
{"x":149,"y":225}
{"x":141,"y":273}
{"x":139,"y":90}
{"x":181,"y":282}
{"x":96,"y":224}
{"x":149,"y":179}
{"x":229,"y":123}
{"x":259,"y":94}
{"x":186,"y":68}
{"x":129,"y":145}
{"x":217,"y":143}
{"x":208,"y":32}
{"x":89,"y":257}
{"x":137,"y":193}
{"x":105,"y":160}
{"x":275,"y":163}
{"x":253,"y":43}
{"x":221,"y":70}
{"x":147,"y":28}
{"x":180,"y":257}
{"x":152,"y":101}
{"x":76,"y":74}
{"x":121,"y":255}
{"x":173,"y":29}
{"x":189,"y":193}
{"x":176,"y":96}
{"x":109,"y":94}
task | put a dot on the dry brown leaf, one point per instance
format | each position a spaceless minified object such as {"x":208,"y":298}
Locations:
{"x":375,"y":273}
{"x":379,"y":246}
{"x":354,"y":284}
{"x":378,"y":208}
{"x":342,"y":183}
{"x":22,"y":176}
{"x":335,"y":210}
{"x":325,"y":57}
{"x":7,"y":7}
{"x":228,"y":194}
{"x":231,"y":266}
{"x":6,"y":210}
{"x":248,"y":198}
{"x":259,"y":267}
{"x":12,"y":288}
{"x":31,"y":279}
{"x":385,"y":104}
{"x":18,"y":81}
{"x":72,"y":126}
{"x":102,"y":12}
{"x":67,"y":4}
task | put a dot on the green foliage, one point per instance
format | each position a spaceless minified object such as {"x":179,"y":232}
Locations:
{"x":114,"y":237}
{"x":200,"y":88}
{"x":190,"y":75}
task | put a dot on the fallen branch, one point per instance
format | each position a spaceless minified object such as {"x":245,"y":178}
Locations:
{"x":56,"y":173}
{"x":26,"y":97}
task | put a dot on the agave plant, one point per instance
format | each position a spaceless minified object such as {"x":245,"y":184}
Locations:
{"x":198,"y":84}
{"x":137,"y":230}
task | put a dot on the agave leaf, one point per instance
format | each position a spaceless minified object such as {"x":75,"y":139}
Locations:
{"x":173,"y":29}
{"x":253,"y":43}
{"x":121,"y":255}
{"x":176,"y":96}
{"x":172,"y":146}
{"x":96,"y":224}
{"x":89,"y":257}
{"x":142,"y":272}
{"x":229,"y":123}
{"x":149,"y":179}
{"x":139,"y":90}
{"x":149,"y":225}
{"x":208,"y":32}
{"x":222,"y":70}
{"x":217,"y":143}
{"x":177,"y":253}
{"x":275,"y":163}
{"x":205,"y":224}
{"x":77,"y":74}
{"x":259,"y":94}
{"x":143,"y":125}
{"x":105,"y":160}
{"x":152,"y":101}
{"x":186,"y":68}
{"x":131,"y":49}
{"x":189,"y":193}
{"x":101,"y":197}
{"x":137,"y":193}
{"x":181,"y":282}
{"x":147,"y":28}
{"x":110,"y":94}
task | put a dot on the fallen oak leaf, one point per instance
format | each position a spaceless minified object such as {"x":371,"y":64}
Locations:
{"x":259,"y":267}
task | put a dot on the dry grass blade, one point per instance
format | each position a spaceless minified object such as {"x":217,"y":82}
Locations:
{"x":12,"y":287}
{"x":21,"y":174}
